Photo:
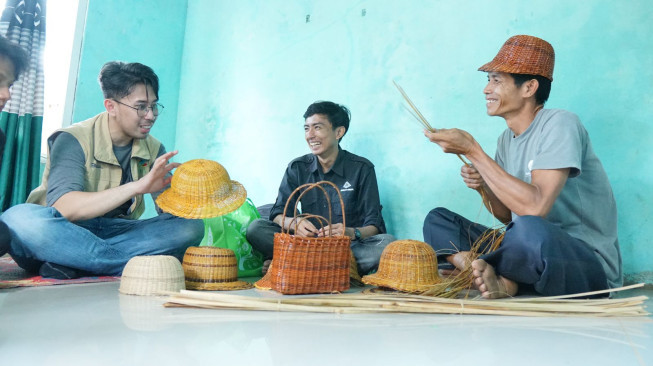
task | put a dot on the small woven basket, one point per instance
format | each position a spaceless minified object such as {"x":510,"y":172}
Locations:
{"x":406,"y":265}
{"x":306,"y":265}
{"x":150,"y":275}
{"x":212,"y":269}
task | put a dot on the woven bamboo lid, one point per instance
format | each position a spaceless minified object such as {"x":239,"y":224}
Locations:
{"x":524,"y":55}
{"x":213,"y":269}
{"x":201,"y":189}
{"x":150,"y":275}
{"x":406,"y":265}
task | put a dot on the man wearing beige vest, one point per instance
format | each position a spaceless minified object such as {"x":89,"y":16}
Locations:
{"x":83,"y":219}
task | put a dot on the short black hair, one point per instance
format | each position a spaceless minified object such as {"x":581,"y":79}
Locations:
{"x":337,"y":114}
{"x":543,"y":90}
{"x":118,"y":79}
{"x":16,"y":54}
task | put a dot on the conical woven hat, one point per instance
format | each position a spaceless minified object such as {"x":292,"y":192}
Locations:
{"x":149,"y":275}
{"x":406,"y":265}
{"x":201,"y":189}
{"x":213,"y":269}
{"x":524,"y":55}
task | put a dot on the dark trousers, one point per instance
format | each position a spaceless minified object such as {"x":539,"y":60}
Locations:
{"x":533,"y":252}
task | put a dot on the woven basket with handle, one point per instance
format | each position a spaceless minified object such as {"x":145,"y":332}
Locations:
{"x":305,"y":265}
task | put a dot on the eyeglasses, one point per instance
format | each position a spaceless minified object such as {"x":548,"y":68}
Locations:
{"x":142,"y":109}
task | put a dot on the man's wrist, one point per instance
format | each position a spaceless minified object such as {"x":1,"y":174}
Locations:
{"x":357,"y":234}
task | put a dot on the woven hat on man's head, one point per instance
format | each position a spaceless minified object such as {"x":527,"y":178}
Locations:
{"x":201,"y":189}
{"x":406,"y":265}
{"x":523,"y":55}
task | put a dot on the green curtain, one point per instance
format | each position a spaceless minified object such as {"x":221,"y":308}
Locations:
{"x":23,"y":22}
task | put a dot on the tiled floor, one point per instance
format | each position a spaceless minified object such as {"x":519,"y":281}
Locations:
{"x":93,"y":324}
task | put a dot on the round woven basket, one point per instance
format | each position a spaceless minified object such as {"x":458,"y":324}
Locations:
{"x":150,"y":275}
{"x":407,"y":266}
{"x":201,"y":189}
{"x":213,"y":269}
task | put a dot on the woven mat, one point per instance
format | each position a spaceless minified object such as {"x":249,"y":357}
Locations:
{"x":13,"y":276}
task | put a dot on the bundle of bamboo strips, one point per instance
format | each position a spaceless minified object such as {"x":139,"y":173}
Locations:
{"x":405,"y":303}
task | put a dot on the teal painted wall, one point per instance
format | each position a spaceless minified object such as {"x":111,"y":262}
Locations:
{"x":250,"y":69}
{"x":142,"y":31}
{"x":237,"y":76}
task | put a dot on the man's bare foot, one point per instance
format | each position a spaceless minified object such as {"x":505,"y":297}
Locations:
{"x":491,"y":285}
{"x":461,"y":260}
{"x":266,"y":266}
{"x":448,"y":272}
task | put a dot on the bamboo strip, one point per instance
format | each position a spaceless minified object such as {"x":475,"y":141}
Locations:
{"x":585,"y":294}
{"x":389,"y":308}
{"x":405,"y":303}
{"x":410,"y":102}
{"x":348,"y":300}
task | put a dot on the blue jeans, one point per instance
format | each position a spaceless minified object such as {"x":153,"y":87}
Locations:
{"x":99,"y":246}
{"x":367,"y":252}
{"x":533,"y":252}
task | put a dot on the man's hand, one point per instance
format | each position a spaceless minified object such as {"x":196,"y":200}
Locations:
{"x":332,"y":230}
{"x":304,"y":228}
{"x":77,"y":205}
{"x":472,"y":177}
{"x":453,"y":141}
{"x":157,"y":178}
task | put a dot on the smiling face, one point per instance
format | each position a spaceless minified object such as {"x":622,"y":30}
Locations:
{"x":322,"y":139}
{"x":7,"y":78}
{"x":128,"y":125}
{"x":503,"y":98}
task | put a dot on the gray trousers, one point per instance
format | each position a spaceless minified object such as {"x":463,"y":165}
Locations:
{"x":367,"y":252}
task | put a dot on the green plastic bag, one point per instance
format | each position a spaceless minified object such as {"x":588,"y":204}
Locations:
{"x":228,"y":231}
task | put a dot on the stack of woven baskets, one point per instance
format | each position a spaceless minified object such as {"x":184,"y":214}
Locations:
{"x":199,"y":189}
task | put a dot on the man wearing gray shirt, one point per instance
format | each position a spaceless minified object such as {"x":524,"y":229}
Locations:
{"x":545,"y":183}
{"x":83,"y":218}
